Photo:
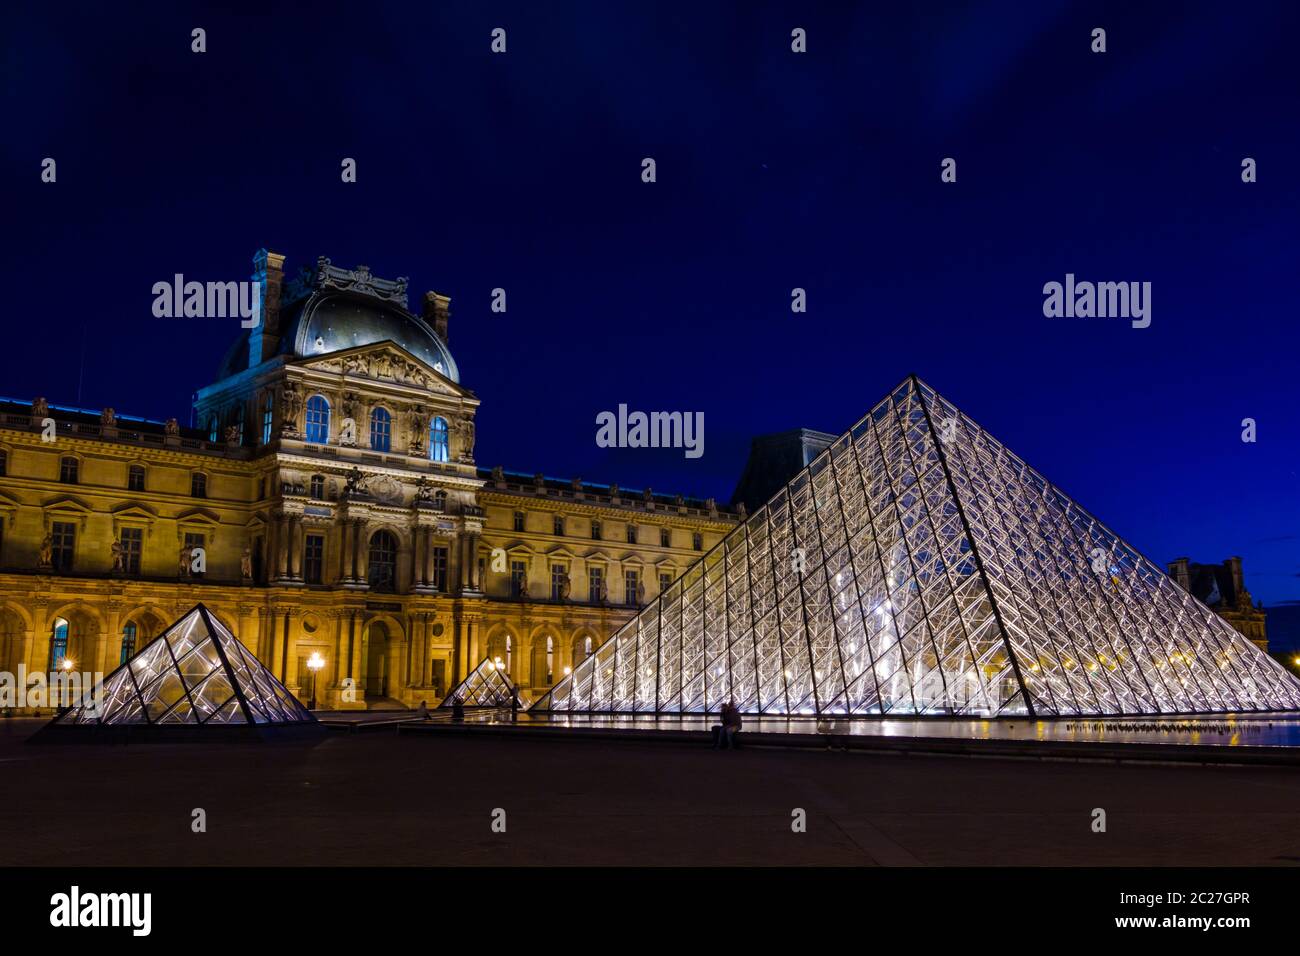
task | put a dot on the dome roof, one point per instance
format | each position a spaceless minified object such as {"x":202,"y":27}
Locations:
{"x":328,"y":309}
{"x":333,"y":321}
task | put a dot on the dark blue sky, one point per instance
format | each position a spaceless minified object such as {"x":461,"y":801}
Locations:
{"x":775,"y":170}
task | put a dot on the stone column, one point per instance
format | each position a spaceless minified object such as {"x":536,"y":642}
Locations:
{"x":282,"y":546}
{"x":277,"y":644}
{"x":345,"y":550}
{"x":475,"y":583}
{"x":360,"y":551}
{"x":295,"y":547}
{"x":104,"y":660}
{"x":290,"y":676}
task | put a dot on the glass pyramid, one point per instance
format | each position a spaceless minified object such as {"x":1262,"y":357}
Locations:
{"x":917,"y":566}
{"x":195,"y":673}
{"x":487,"y":685}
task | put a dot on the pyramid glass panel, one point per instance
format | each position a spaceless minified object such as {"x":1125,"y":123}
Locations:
{"x":918,"y":566}
{"x":196,"y":672}
{"x":487,"y":685}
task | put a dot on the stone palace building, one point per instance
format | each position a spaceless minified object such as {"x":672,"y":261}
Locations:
{"x":329,"y":504}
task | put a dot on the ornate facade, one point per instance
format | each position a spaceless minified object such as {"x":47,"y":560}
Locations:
{"x":329,"y":504}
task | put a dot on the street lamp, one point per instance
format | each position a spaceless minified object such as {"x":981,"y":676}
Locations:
{"x":314,"y":663}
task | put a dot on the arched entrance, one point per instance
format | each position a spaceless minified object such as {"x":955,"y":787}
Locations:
{"x":376,"y":662}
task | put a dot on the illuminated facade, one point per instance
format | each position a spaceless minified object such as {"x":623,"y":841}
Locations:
{"x":328,"y":503}
{"x":917,"y":566}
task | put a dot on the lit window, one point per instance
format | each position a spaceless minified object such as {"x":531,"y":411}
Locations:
{"x":550,"y":660}
{"x":214,"y":426}
{"x":381,"y":430}
{"x":128,"y":642}
{"x":58,"y":643}
{"x":268,"y":417}
{"x":318,"y":420}
{"x":439,"y":441}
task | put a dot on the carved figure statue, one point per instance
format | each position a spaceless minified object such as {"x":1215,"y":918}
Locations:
{"x":40,"y":407}
{"x":232,"y":434}
{"x":246,"y":565}
{"x":119,"y":556}
{"x":171,"y":427}
{"x":185,"y":558}
{"x":108,"y":417}
{"x":356,"y":483}
{"x":565,"y":585}
{"x":467,"y":437}
{"x":423,"y":489}
{"x":47,"y":552}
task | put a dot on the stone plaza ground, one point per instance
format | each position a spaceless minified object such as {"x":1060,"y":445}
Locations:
{"x":378,"y":798}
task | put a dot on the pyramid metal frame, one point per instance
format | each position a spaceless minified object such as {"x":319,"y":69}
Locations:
{"x":922,"y":569}
{"x":486,"y":679}
{"x":204,"y":677}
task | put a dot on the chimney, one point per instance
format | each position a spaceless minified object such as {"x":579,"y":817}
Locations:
{"x":1181,"y":573}
{"x":264,"y":340}
{"x":437,"y":310}
{"x":1233,"y":565}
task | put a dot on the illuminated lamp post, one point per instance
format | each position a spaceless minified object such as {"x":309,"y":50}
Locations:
{"x":314,"y":664}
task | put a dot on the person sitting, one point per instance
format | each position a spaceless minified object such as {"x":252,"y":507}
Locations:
{"x":457,"y":708}
{"x":724,"y":734}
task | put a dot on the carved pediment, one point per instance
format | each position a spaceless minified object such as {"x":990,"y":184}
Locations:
{"x":385,"y":362}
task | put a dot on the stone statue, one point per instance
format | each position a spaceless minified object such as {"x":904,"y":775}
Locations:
{"x":602,"y":593}
{"x":423,"y":489}
{"x":523,"y":588}
{"x":467,"y":437}
{"x":679,"y":501}
{"x":232,"y":434}
{"x":356,"y":483}
{"x":119,"y":557}
{"x":565,"y":585}
{"x":741,"y":509}
{"x":712,"y":505}
{"x":290,"y":406}
{"x":40,"y":407}
{"x":576,"y":484}
{"x":640,"y":592}
{"x":171,"y":427}
{"x":246,"y":565}
{"x":613,"y":489}
{"x":648,"y":495}
{"x":498,"y":476}
{"x":47,"y":552}
{"x":108,"y":417}
{"x":186,"y":557}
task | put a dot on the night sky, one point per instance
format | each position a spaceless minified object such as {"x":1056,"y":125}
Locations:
{"x":775,"y":170}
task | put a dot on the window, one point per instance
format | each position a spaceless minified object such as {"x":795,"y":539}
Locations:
{"x":214,"y":427}
{"x":595,"y":584}
{"x":318,"y":487}
{"x":550,"y":660}
{"x":383,"y":561}
{"x":68,"y":470}
{"x":519,"y":521}
{"x":629,"y":588}
{"x":128,"y":642}
{"x":132,"y":541}
{"x":665,"y":581}
{"x":239,"y":424}
{"x":510,"y":653}
{"x":313,"y":558}
{"x":63,"y":539}
{"x":198,"y":485}
{"x":697,"y":541}
{"x":381,"y":430}
{"x":268,"y":416}
{"x":586,"y":647}
{"x":440,"y":500}
{"x":557,"y":582}
{"x":58,"y":643}
{"x":439,"y":443}
{"x":631,"y":534}
{"x":318,"y":420}
{"x":595,"y":529}
{"x":518,"y":578}
{"x":557,"y":525}
{"x":135,"y":478}
{"x":665,"y":538}
{"x":195,"y":540}
{"x":440,"y":568}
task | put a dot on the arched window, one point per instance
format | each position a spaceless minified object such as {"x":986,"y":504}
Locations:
{"x":58,"y":643}
{"x":382,"y":572}
{"x":318,"y":487}
{"x":586,"y":647}
{"x":214,"y":426}
{"x":510,"y":653}
{"x":439,"y":442}
{"x":381,"y":430}
{"x":550,"y":661}
{"x":318,"y":420}
{"x":128,"y":642}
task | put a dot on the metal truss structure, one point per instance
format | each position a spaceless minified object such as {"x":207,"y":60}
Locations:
{"x":196,"y":672}
{"x":917,"y":567}
{"x":487,"y":685}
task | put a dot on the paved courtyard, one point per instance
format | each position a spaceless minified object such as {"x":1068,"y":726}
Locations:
{"x":380,"y":798}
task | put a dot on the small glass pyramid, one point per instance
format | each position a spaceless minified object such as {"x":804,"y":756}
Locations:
{"x":918,"y":566}
{"x":487,"y":685}
{"x":195,"y":673}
